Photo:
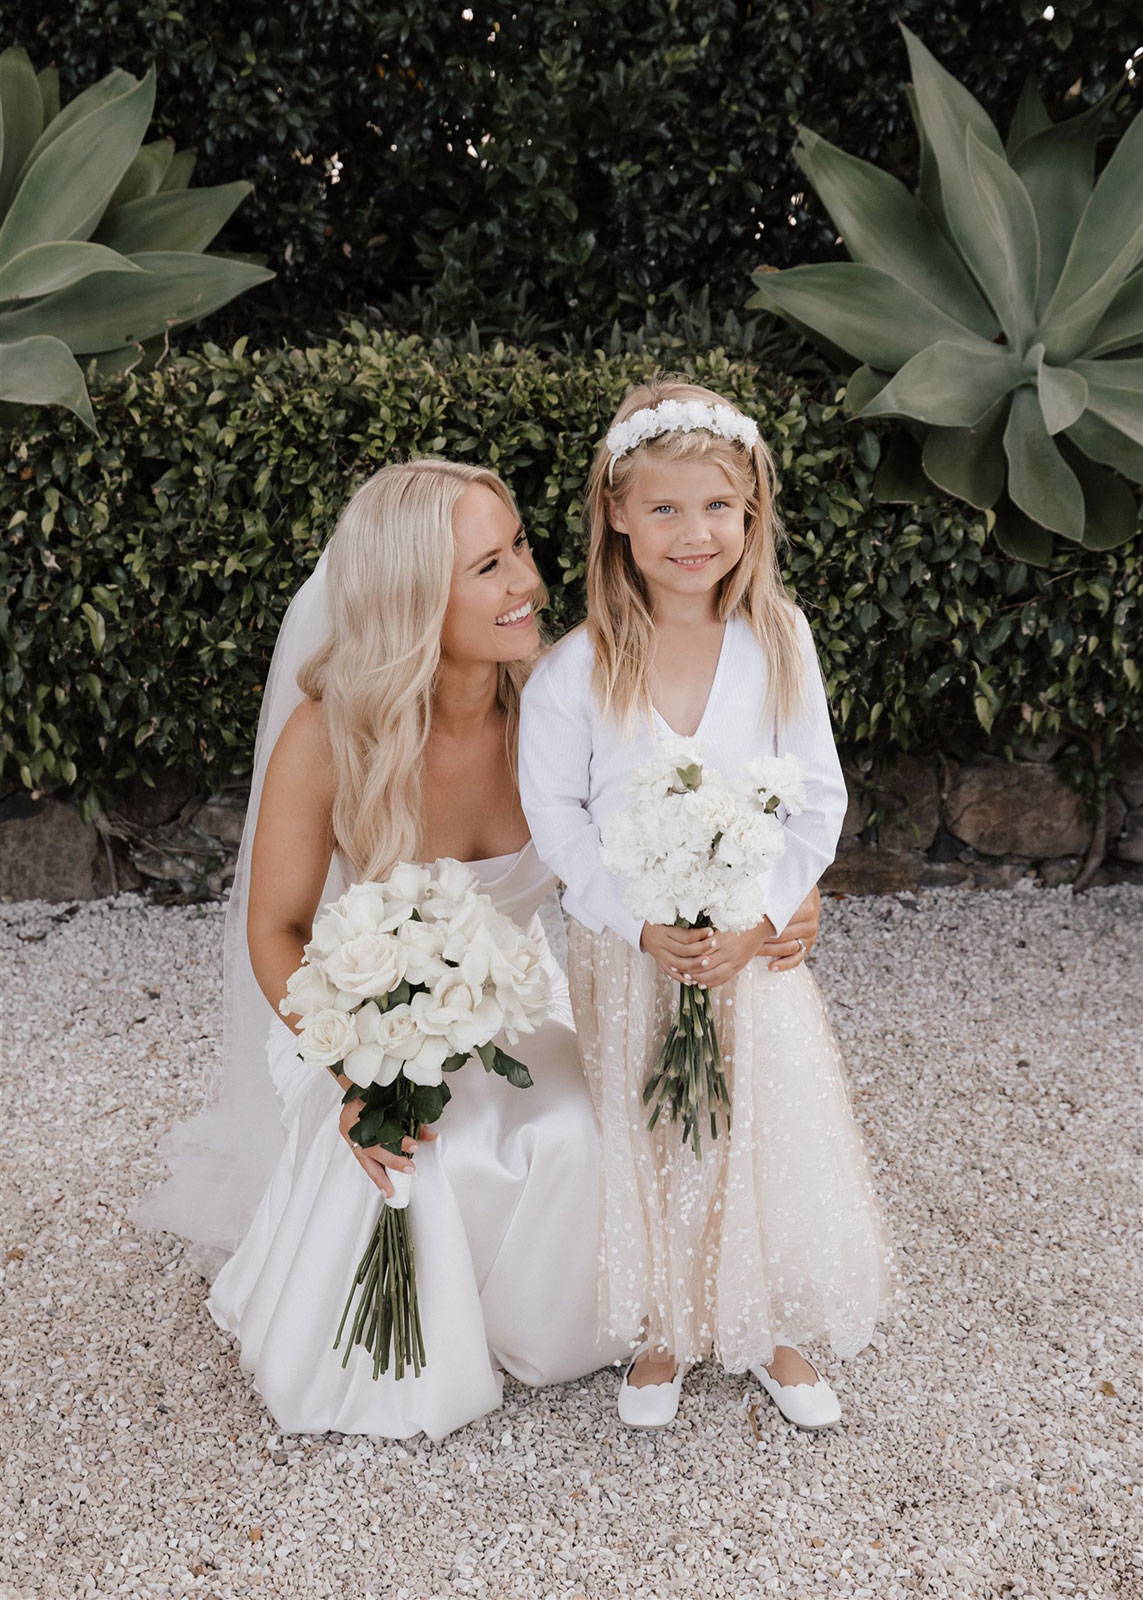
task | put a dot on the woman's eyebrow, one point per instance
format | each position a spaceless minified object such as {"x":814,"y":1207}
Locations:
{"x":488,"y":554}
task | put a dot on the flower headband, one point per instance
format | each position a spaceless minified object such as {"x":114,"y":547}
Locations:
{"x":678,"y":416}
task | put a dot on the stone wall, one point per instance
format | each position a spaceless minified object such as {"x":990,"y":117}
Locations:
{"x":916,"y":823}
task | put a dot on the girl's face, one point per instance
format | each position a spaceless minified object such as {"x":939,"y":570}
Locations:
{"x":686,"y":523}
{"x":494,"y":581}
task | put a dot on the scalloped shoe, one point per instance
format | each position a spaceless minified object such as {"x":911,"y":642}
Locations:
{"x":807,"y":1405}
{"x":653,"y":1405}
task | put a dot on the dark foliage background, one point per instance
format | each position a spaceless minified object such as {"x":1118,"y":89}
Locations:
{"x":144,"y":573}
{"x":543,"y":170}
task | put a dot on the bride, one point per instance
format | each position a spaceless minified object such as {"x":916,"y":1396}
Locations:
{"x":387,"y":733}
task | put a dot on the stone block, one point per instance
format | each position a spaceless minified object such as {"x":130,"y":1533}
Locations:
{"x":1129,"y":845}
{"x":856,"y":811}
{"x":946,"y":875}
{"x":860,"y":869}
{"x":1129,"y":772}
{"x":1060,"y":870}
{"x":222,"y":817}
{"x":908,"y":796}
{"x":145,"y":807}
{"x":1016,"y":808}
{"x":49,"y":854}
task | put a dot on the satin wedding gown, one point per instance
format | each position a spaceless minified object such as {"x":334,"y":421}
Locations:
{"x":504,"y":1220}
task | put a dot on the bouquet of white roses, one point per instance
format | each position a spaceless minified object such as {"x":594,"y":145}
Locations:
{"x":402,"y":982}
{"x":695,"y":850}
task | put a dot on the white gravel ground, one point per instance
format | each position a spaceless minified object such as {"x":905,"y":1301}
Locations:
{"x":990,"y":1445}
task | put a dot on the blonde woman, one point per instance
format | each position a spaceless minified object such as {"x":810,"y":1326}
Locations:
{"x":774,"y":1238}
{"x":388,"y":733}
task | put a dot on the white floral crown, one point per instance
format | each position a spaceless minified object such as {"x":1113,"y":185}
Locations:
{"x":678,"y":416}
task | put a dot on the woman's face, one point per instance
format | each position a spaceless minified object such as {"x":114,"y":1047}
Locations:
{"x":494,"y":582}
{"x":686,"y":523}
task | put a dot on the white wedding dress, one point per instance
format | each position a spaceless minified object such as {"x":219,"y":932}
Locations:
{"x":504,"y":1220}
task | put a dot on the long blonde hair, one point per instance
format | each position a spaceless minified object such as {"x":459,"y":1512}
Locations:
{"x":390,"y":569}
{"x":619,"y":620}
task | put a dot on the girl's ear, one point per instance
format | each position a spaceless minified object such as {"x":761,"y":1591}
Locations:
{"x":615,"y":515}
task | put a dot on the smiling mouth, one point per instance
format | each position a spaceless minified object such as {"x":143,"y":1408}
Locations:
{"x":690,"y":563}
{"x":513,"y":619}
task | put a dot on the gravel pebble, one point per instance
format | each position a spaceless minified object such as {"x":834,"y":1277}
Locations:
{"x":990,"y":1442}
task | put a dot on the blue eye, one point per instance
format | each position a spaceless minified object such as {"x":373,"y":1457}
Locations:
{"x":520,"y":539}
{"x":717,"y":504}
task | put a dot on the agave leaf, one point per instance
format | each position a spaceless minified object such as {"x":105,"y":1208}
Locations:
{"x":44,"y":268}
{"x":900,"y":480}
{"x":65,"y":189}
{"x":883,"y":225}
{"x":186,"y":219}
{"x":863,"y":384}
{"x":49,"y":81}
{"x":1103,"y":442}
{"x":106,"y":313}
{"x":109,"y":88}
{"x":929,"y":180}
{"x":1062,"y":391}
{"x":1030,"y":117}
{"x":1021,"y":538}
{"x":1105,"y":249}
{"x":1122,"y":323}
{"x":1007,"y":248}
{"x":145,"y":174}
{"x":43,"y":372}
{"x":969,"y":462}
{"x":1115,"y":393}
{"x":179,"y":172}
{"x":867,"y":312}
{"x":1057,"y":167}
{"x":1040,"y":482}
{"x":943,"y":110}
{"x":21,"y":117}
{"x":952,"y":384}
{"x":136,"y":357}
{"x":1111,"y":510}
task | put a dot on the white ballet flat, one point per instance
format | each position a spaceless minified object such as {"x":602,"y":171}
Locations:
{"x":806,"y":1405}
{"x":653,"y":1405}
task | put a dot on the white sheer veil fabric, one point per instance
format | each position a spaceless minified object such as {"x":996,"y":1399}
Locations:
{"x":222,"y":1159}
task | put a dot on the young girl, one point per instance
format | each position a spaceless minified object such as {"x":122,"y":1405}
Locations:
{"x":773,"y":1238}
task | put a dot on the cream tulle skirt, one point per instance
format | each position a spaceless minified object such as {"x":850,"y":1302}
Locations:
{"x":774,"y":1236}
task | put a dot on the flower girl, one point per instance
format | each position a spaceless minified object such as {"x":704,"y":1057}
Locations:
{"x":771,"y":1238}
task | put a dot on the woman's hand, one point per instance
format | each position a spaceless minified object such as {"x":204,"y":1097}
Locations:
{"x":374,"y":1158}
{"x":677,"y":951}
{"x":797,"y":938}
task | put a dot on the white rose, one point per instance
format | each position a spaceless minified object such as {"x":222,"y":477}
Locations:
{"x":427,"y":1065}
{"x":307,"y":990}
{"x":371,"y":964}
{"x":370,"y":908}
{"x":384,"y":1037}
{"x":422,"y":944}
{"x":328,"y":1037}
{"x":450,"y":1000}
{"x":452,"y":888}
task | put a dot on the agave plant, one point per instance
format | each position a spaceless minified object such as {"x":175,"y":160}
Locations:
{"x":998,"y":311}
{"x":101,"y":240}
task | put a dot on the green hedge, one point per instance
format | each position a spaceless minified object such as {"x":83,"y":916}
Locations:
{"x":541,"y":169}
{"x":144,"y":573}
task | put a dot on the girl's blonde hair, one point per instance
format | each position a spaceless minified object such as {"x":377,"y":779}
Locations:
{"x":390,"y":568}
{"x":619,"y":619}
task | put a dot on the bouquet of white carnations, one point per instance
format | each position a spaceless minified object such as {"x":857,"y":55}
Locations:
{"x":695,"y":850}
{"x":402,"y":982}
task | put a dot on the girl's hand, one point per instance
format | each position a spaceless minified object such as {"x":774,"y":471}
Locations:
{"x":797,"y":938}
{"x":677,"y":951}
{"x":374,"y":1158}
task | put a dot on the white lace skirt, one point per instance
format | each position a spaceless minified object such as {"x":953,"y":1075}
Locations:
{"x":774,"y":1235}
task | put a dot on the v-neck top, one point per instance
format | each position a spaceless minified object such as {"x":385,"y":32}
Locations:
{"x":711,"y":695}
{"x":575,"y":764}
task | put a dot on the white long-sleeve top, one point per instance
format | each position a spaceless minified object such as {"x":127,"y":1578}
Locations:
{"x":575,"y":763}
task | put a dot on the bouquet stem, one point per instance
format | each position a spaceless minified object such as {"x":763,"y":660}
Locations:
{"x":387,"y":1320}
{"x":688,"y":1080}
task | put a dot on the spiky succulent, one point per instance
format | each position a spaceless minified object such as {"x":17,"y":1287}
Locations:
{"x":998,"y":311}
{"x":101,"y":240}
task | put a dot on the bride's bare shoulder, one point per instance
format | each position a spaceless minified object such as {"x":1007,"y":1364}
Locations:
{"x":303,"y":747}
